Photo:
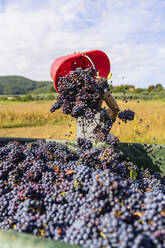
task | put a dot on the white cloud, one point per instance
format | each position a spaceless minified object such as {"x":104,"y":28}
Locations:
{"x":34,"y":33}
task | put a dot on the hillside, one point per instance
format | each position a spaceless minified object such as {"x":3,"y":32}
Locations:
{"x":17,"y":85}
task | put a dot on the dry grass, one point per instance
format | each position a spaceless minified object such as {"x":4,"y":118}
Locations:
{"x":29,"y":114}
{"x":148,"y":130}
{"x":34,"y":120}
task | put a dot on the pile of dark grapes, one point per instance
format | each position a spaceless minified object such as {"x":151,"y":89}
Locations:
{"x":86,"y":196}
{"x":80,"y":94}
{"x":126,"y":115}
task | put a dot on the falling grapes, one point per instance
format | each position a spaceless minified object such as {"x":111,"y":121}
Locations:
{"x":126,"y":115}
{"x":80,"y":94}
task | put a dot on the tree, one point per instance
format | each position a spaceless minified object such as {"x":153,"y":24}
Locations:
{"x":151,"y":88}
{"x":159,"y":87}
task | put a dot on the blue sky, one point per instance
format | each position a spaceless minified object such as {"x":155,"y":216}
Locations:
{"x":132,"y":33}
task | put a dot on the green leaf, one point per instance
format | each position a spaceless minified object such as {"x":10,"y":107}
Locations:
{"x":133,"y":174}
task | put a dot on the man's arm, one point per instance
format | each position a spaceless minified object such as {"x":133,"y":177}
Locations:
{"x":112,"y":104}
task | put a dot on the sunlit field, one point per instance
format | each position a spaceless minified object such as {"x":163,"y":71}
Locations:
{"x":33,"y":120}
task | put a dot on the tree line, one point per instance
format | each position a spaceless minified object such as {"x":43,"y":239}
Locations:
{"x":17,"y":85}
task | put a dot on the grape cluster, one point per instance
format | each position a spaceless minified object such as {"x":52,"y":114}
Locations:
{"x":80,"y":94}
{"x":85,"y":196}
{"x":84,"y":144}
{"x":103,"y":133}
{"x":126,"y":115}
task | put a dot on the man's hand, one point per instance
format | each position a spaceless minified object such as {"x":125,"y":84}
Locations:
{"x":112,"y":113}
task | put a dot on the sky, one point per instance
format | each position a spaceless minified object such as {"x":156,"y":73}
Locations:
{"x":131,"y":32}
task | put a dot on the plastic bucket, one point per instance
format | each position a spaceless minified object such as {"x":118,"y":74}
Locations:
{"x":96,"y":59}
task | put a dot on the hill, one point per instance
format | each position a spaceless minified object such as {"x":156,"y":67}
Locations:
{"x":17,"y":85}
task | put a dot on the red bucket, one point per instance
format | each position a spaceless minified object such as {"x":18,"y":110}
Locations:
{"x":95,"y":58}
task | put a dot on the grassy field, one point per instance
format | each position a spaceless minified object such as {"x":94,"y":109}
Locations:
{"x":33,"y":120}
